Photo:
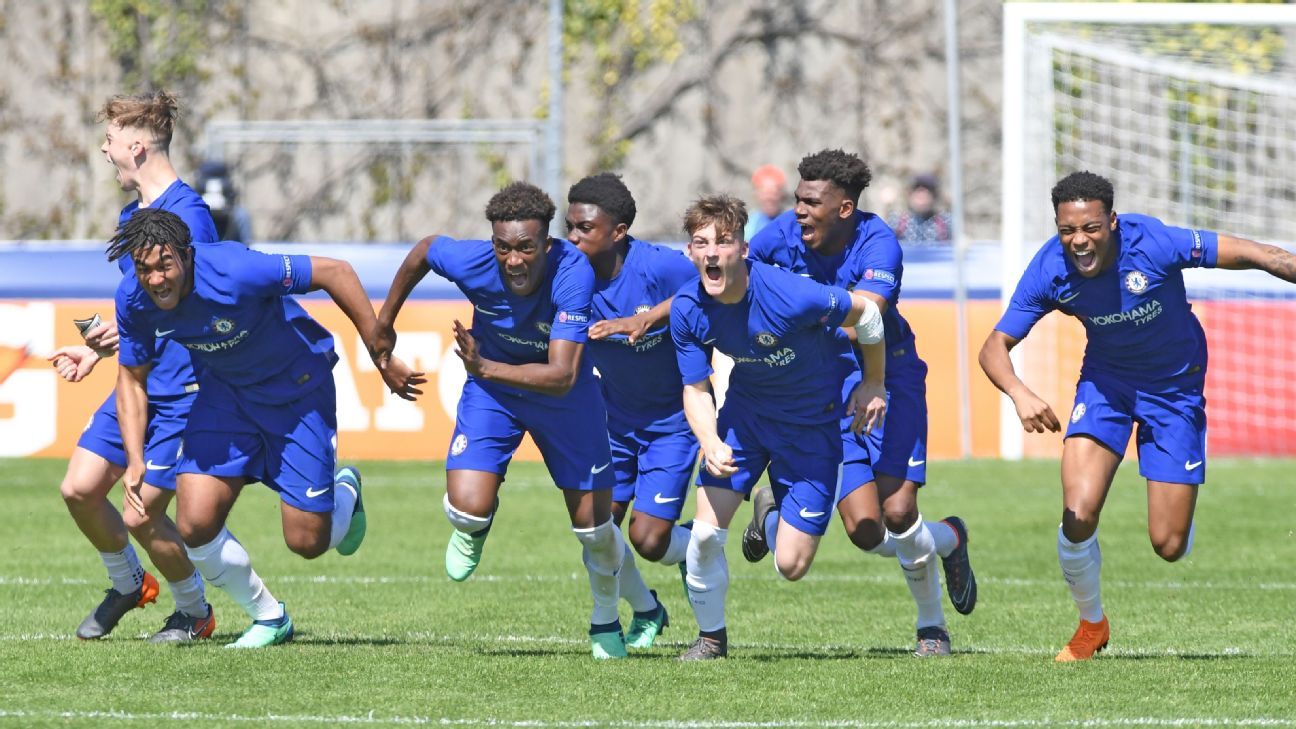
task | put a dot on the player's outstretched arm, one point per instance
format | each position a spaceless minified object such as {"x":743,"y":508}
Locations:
{"x":339,"y":280}
{"x":411,"y":271}
{"x":700,"y":410}
{"x":555,"y":377}
{"x":634,"y":327}
{"x":132,"y":416}
{"x":74,"y":363}
{"x":1036,"y":415}
{"x":1240,"y":253}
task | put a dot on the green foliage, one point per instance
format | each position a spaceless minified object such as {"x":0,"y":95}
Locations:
{"x":158,"y":43}
{"x":618,"y":39}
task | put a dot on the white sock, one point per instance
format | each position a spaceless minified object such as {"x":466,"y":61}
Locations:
{"x":124,"y":569}
{"x":1082,"y":567}
{"x":463,"y":521}
{"x":603,"y":554}
{"x":916,"y":551}
{"x":1192,"y":532}
{"x":885,"y":548}
{"x":677,"y":550}
{"x":945,"y":537}
{"x":344,"y":499}
{"x":190,"y":597}
{"x":631,"y":584}
{"x":226,"y":564}
{"x":708,"y":575}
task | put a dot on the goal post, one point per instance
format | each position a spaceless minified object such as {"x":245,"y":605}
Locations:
{"x":1190,"y":110}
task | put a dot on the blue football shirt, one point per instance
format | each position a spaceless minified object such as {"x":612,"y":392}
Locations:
{"x":173,"y":369}
{"x":236,"y":323}
{"x":641,"y":381}
{"x":1136,"y":314}
{"x":786,"y":357}
{"x":516,"y":329}
{"x":873,"y":261}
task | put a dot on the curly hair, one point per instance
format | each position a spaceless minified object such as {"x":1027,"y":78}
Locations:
{"x":147,"y":228}
{"x":607,"y":191}
{"x":846,"y":171}
{"x":728,"y":213}
{"x":520,"y":201}
{"x":1084,"y":185}
{"x":155,"y":111}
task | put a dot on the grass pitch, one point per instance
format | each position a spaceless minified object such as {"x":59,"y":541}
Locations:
{"x":385,"y":639}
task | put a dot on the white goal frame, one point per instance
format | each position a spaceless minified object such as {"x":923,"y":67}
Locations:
{"x":1017,"y":15}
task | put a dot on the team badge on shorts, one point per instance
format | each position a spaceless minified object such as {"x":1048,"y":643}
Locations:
{"x":223,"y":326}
{"x":544,"y":327}
{"x":1078,"y":412}
{"x":459,"y":444}
{"x":765,"y":339}
{"x":1136,"y":282}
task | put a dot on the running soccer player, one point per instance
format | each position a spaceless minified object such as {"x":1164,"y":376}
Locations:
{"x":531,"y":315}
{"x":829,"y":239}
{"x":653,"y":449}
{"x":265,"y":410}
{"x":1144,"y":364}
{"x":137,"y":138}
{"x":781,"y":409}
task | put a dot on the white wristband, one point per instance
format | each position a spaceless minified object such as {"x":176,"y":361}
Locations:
{"x":870,"y":329}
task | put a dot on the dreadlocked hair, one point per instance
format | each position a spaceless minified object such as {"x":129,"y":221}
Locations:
{"x":146,"y":229}
{"x":848,"y":172}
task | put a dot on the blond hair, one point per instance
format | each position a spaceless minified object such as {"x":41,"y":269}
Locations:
{"x":728,"y":213}
{"x":154,"y":111}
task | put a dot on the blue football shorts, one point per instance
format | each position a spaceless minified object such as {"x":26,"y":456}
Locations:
{"x":166,"y":424}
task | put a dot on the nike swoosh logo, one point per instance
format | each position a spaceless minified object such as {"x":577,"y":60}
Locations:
{"x":160,"y":333}
{"x":1065,"y":299}
{"x":1189,"y":465}
{"x":915,"y":464}
{"x":487,"y":312}
{"x":600,"y":469}
{"x":312,"y":493}
{"x":150,"y":465}
{"x":657,"y":497}
{"x":810,"y":514}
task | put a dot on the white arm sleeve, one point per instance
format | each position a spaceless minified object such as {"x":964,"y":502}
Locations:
{"x":869,"y":330}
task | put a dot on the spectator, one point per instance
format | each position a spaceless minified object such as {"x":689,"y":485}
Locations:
{"x":770,"y":186}
{"x":217,"y":190}
{"x":922,"y":223}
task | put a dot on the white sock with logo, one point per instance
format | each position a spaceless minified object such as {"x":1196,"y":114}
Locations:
{"x":708,"y":575}
{"x":603,"y":554}
{"x":633,"y":589}
{"x":226,"y":564}
{"x":190,"y":597}
{"x":1082,"y":568}
{"x":124,"y":569}
{"x":344,"y":499}
{"x":916,"y":551}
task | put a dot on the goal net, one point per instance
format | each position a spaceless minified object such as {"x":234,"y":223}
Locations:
{"x":1190,"y":111}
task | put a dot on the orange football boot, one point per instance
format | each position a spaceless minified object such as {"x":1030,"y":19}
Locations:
{"x":1089,"y":638}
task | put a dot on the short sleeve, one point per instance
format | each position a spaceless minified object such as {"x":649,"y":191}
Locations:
{"x":673,"y":269}
{"x":690,"y":353}
{"x":441,"y":257}
{"x":197,"y":216}
{"x":573,"y":295}
{"x":1185,"y":247}
{"x":811,"y":303}
{"x":880,"y":264}
{"x":136,"y":345}
{"x":271,"y":274}
{"x":1030,"y":302}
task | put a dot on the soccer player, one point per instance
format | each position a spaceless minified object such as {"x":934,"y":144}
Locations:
{"x":781,"y":409}
{"x":653,"y":449}
{"x":137,"y":137}
{"x":531,"y":315}
{"x":829,"y":239}
{"x":265,"y":410}
{"x":1144,"y":364}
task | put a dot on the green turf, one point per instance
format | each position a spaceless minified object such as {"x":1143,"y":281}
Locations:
{"x":384,"y":638}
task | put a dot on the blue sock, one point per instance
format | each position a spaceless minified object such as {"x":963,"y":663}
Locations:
{"x":771,"y":527}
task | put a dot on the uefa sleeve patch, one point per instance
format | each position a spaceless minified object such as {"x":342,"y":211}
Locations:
{"x":1198,"y":248}
{"x":877,"y":274}
{"x":288,"y":271}
{"x":565,"y":317}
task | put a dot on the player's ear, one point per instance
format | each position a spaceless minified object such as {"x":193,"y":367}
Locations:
{"x":1113,"y":221}
{"x":619,"y":232}
{"x":847,"y":208}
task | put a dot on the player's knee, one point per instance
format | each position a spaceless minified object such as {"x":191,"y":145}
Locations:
{"x":466,"y":521}
{"x":649,"y":543}
{"x":307,"y":544}
{"x":604,"y":551}
{"x":1170,"y":546}
{"x":899,"y":517}
{"x":76,"y":495}
{"x":866,"y":534}
{"x":139,"y":525}
{"x":1079,"y":522}
{"x":791,"y":566}
{"x":195,"y":533}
